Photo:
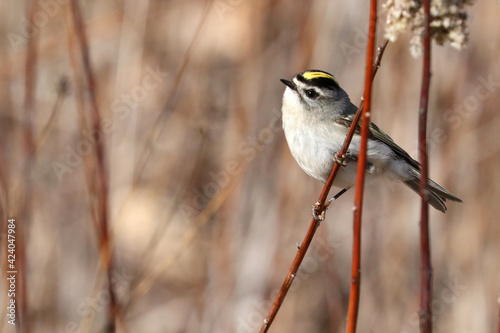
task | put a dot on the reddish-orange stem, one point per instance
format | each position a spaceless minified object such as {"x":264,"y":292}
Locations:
{"x":425,"y":248}
{"x":360,"y":180}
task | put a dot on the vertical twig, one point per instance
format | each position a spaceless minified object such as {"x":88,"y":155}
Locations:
{"x":425,"y":250}
{"x":101,"y":180}
{"x":172,"y":97}
{"x":360,"y":179}
{"x":26,"y":196}
{"x":321,"y":208}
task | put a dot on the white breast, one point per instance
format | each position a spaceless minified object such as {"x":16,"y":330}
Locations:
{"x":314,"y":144}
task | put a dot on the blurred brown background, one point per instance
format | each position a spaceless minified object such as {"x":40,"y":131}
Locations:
{"x":206,"y":202}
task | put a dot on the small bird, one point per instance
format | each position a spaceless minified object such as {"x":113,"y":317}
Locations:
{"x":317,"y":114}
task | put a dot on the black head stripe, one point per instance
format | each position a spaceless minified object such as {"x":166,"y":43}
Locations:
{"x":318,"y":78}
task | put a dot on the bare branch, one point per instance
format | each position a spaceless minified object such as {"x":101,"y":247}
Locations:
{"x":425,"y":251}
{"x":360,"y":179}
{"x":101,"y":179}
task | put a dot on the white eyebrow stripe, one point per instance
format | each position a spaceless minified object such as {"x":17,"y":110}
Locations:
{"x":297,"y":82}
{"x":302,"y":86}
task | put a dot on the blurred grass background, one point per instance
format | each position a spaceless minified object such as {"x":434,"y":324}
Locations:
{"x":206,"y":202}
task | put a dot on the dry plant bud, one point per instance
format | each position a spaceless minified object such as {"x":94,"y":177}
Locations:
{"x":449,"y":22}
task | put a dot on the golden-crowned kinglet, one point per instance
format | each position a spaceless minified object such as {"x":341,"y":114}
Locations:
{"x":317,"y":114}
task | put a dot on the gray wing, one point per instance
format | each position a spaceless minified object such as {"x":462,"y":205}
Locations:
{"x":377,"y":134}
{"x":438,"y":194}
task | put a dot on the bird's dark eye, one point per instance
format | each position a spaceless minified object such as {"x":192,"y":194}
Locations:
{"x":311,"y":93}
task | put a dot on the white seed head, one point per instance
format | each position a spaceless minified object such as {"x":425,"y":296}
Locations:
{"x":449,"y":22}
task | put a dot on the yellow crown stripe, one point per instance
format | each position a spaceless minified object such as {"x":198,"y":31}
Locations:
{"x":314,"y":75}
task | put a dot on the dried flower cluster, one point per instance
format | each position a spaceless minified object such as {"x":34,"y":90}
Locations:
{"x":449,"y":22}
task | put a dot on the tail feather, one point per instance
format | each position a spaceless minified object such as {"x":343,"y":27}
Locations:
{"x":437,"y":194}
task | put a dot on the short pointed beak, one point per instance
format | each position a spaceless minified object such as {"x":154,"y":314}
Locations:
{"x":289,"y":84}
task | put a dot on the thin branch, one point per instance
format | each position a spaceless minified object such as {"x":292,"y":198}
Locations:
{"x":88,"y":161}
{"x":321,"y":207}
{"x":101,"y":179}
{"x":425,"y":250}
{"x":172,"y":97}
{"x":26,"y":196}
{"x":360,"y":179}
{"x":350,"y":133}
